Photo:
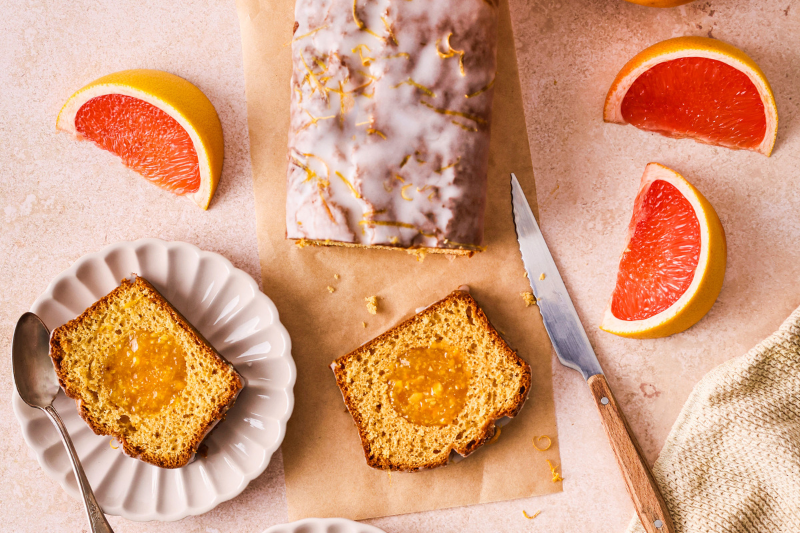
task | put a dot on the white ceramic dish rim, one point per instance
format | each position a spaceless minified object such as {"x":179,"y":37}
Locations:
{"x":247,"y":477}
{"x":355,"y":527}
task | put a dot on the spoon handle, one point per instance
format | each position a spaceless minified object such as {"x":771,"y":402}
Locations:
{"x":97,"y":519}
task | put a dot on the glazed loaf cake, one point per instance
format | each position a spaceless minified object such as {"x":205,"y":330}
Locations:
{"x":390,"y":113}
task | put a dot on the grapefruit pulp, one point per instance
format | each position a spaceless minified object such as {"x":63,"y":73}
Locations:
{"x":697,"y":97}
{"x":673,"y":265}
{"x":698,"y":88}
{"x":147,"y":140}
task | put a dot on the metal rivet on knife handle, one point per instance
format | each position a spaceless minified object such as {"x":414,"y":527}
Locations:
{"x":604,"y":401}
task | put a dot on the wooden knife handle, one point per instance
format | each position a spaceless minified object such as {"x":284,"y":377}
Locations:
{"x":638,"y":479}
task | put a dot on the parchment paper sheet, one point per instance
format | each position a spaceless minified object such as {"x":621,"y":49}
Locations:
{"x":326,"y":474}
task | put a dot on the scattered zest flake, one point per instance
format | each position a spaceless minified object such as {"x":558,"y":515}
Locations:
{"x":451,"y":52}
{"x":111,"y":443}
{"x":543,"y":437}
{"x":312,"y":32}
{"x":331,"y":289}
{"x":465,"y":126}
{"x":391,"y":37}
{"x":349,"y":186}
{"x":422,"y":88}
{"x":528,"y":298}
{"x":480,"y":91}
{"x":386,"y":223}
{"x":451,"y":165}
{"x":495,"y":437}
{"x":372,"y":305}
{"x":403,"y":192}
{"x":556,"y":476}
{"x":530,"y":517}
{"x":366,"y":61}
{"x":360,"y":23}
{"x":379,"y":133}
{"x":313,"y":77}
{"x":314,"y":120}
{"x":542,"y":276}
{"x":443,"y":111}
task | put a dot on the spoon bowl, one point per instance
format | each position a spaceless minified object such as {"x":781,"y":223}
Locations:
{"x":33,"y":369}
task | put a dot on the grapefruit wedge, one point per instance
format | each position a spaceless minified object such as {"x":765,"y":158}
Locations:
{"x":699,"y":88}
{"x":671,"y":271}
{"x":159,"y":124}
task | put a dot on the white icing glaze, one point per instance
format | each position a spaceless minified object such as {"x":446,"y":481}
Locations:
{"x":387,"y":167}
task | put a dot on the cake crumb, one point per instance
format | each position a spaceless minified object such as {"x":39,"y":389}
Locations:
{"x":336,"y":276}
{"x":364,"y":324}
{"x":528,"y":298}
{"x":525,"y":274}
{"x":302,"y":243}
{"x":418,"y":254}
{"x":542,"y":276}
{"x":331,"y":289}
{"x":529,"y":517}
{"x":372,"y":304}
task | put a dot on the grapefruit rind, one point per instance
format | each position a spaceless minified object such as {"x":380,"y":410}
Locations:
{"x":177,"y":97}
{"x":680,"y":47}
{"x":701,"y":294}
{"x":660,"y":3}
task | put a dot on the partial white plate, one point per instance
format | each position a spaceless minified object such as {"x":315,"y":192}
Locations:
{"x":225,"y":305}
{"x":324,"y":525}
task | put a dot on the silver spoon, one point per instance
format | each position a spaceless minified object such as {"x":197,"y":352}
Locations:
{"x":37,"y":385}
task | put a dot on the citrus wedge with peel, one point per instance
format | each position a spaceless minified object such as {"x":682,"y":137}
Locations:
{"x":699,"y":88}
{"x":159,"y":124}
{"x":673,"y":265}
{"x":660,"y":3}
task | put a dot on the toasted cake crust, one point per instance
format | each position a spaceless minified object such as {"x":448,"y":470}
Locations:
{"x":518,"y":390}
{"x":59,"y":352}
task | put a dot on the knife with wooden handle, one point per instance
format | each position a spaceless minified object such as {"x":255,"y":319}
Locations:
{"x":574,"y":351}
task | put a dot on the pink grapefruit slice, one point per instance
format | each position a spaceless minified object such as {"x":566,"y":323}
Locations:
{"x":698,"y":88}
{"x":673,"y":265}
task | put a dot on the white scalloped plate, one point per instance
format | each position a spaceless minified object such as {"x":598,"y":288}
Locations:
{"x":224,"y":303}
{"x":324,"y":525}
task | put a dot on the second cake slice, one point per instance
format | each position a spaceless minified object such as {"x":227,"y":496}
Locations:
{"x":435,"y":383}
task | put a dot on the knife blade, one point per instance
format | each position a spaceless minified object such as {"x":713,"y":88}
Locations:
{"x":574,"y":350}
{"x":560,"y":318}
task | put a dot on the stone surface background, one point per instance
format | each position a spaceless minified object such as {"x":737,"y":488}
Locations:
{"x":61,"y":199}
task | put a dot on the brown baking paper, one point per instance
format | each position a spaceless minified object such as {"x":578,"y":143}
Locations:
{"x":326,"y":474}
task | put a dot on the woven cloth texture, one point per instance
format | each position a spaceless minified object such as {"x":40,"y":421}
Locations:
{"x":731,"y":462}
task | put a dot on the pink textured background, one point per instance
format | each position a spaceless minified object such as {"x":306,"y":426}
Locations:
{"x":61,"y":199}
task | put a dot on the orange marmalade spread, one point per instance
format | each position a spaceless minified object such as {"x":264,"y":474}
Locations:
{"x":428,"y":386}
{"x":145,"y":372}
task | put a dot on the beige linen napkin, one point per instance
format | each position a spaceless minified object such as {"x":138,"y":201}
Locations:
{"x":732,"y":460}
